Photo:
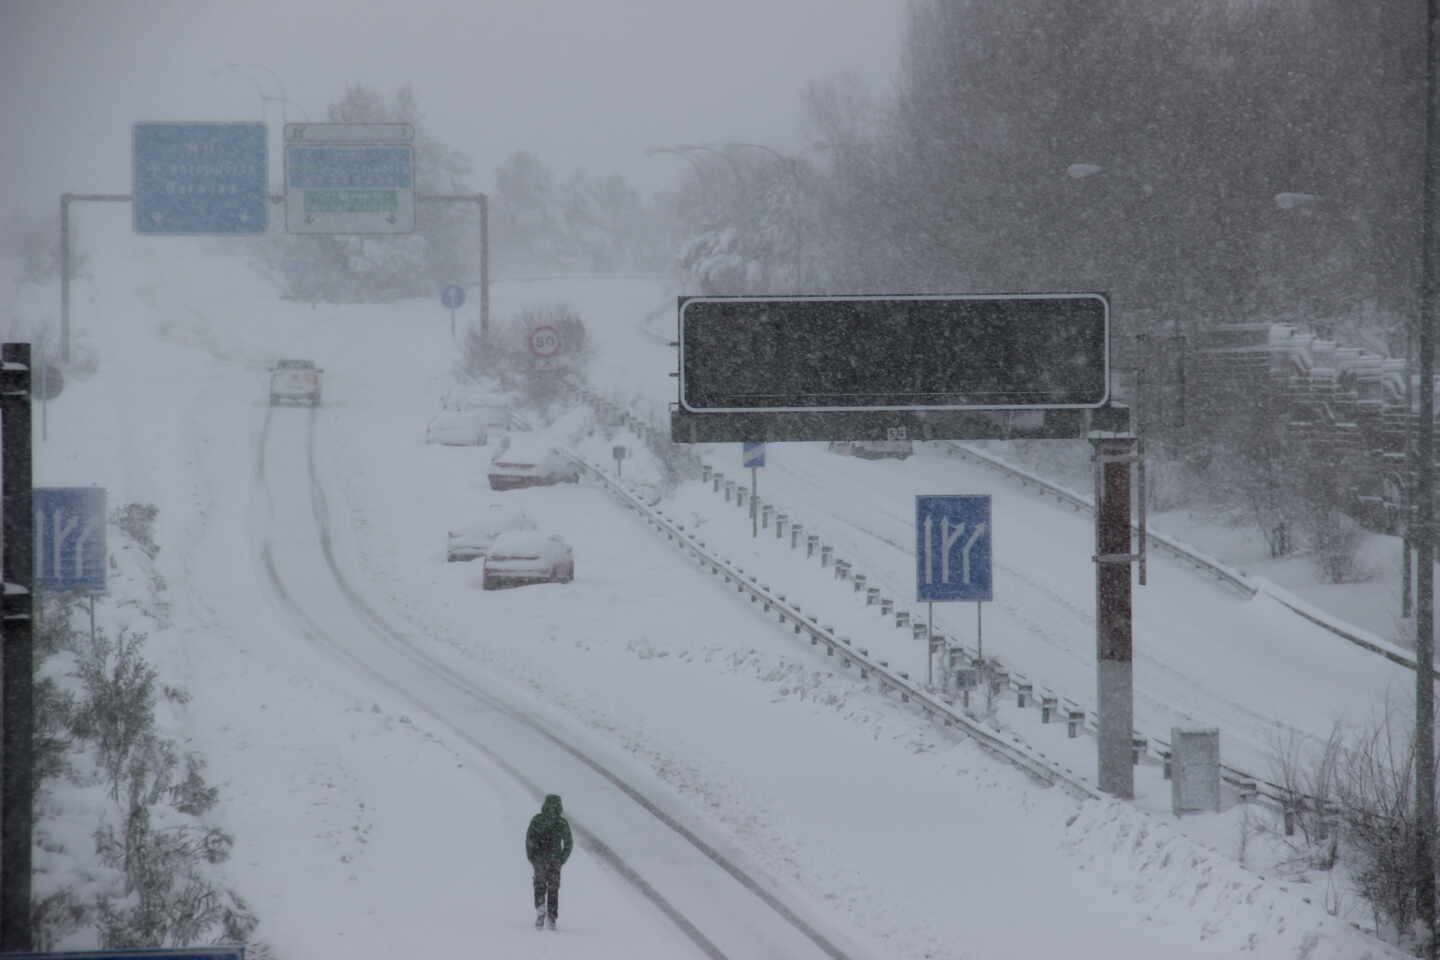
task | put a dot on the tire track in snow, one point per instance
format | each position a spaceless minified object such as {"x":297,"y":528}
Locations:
{"x":396,"y":641}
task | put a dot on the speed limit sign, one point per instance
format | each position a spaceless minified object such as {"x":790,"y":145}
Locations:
{"x":545,"y":341}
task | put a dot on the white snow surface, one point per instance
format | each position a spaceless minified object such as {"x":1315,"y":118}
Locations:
{"x":381,"y":729}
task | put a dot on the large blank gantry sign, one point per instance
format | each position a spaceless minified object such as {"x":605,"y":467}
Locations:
{"x":890,"y":368}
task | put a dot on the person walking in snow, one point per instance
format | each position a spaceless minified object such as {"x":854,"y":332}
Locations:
{"x":547,"y":845}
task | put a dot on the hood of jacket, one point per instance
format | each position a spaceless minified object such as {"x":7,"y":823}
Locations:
{"x":551,"y":808}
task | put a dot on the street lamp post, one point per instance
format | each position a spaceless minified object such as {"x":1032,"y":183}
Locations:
{"x":283,"y":99}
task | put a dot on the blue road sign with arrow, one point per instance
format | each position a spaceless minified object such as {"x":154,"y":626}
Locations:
{"x":953,"y":537}
{"x":453,"y":296}
{"x":70,"y":538}
{"x":200,"y":178}
{"x":753,"y":453}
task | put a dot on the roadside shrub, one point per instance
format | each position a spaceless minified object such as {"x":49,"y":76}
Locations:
{"x":1335,"y":538}
{"x":1366,"y":784}
{"x":137,"y":521}
{"x":116,"y":709}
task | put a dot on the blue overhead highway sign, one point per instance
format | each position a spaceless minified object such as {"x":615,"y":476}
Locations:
{"x":200,"y":178}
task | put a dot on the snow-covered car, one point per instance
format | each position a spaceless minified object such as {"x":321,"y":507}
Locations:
{"x":473,"y":540}
{"x":528,"y":556}
{"x":458,"y":428}
{"x":295,"y":381}
{"x":529,"y":464}
{"x":873,"y":449}
{"x":468,"y":397}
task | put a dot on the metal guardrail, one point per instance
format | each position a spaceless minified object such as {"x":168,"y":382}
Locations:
{"x":1220,"y":571}
{"x":935,"y":707}
{"x":1014,"y":750}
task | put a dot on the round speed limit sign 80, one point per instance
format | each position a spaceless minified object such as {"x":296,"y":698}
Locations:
{"x":545,"y":341}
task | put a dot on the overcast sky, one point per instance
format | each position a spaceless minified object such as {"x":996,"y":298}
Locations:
{"x":582,"y":83}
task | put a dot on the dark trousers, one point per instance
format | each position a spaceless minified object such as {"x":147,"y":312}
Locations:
{"x":547,"y":888}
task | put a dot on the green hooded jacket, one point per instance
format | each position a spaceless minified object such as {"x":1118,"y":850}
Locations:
{"x":548,"y":840}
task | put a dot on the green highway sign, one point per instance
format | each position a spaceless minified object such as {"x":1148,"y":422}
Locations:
{"x":346,"y":187}
{"x":351,"y":201}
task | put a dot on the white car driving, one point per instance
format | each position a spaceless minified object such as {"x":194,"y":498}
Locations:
{"x":295,"y":381}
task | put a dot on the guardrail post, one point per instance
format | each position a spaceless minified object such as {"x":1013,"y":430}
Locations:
{"x":812,"y":543}
{"x":964,"y":680}
{"x":827,"y":553}
{"x":842,"y":569}
{"x":1022,"y":694}
{"x":729,"y":490}
{"x":1137,"y":749}
{"x":902,"y":618}
{"x":765,"y":513}
{"x":715,"y":480}
{"x":999,"y":679}
{"x":859,"y":582}
{"x":954,"y":652}
{"x":886,"y":605}
{"x":872,"y":596}
{"x":1075,"y":722}
{"x":1165,"y":761}
{"x":917,"y":631}
{"x":1047,"y":709}
{"x":795,"y":533}
{"x":740,"y":495}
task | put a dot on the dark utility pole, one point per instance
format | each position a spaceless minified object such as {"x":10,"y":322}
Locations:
{"x":17,"y":649}
{"x":1113,"y":639}
{"x":1425,"y":504}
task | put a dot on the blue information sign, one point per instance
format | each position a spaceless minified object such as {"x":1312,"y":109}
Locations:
{"x":70,"y":538}
{"x":200,"y":178}
{"x":753,"y":453}
{"x":453,"y":296}
{"x":952,"y":548}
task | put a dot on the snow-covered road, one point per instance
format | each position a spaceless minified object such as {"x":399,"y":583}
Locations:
{"x":709,"y":899}
{"x":359,"y":699}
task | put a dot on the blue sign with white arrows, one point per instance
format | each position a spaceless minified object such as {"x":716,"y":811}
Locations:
{"x":70,"y":538}
{"x":453,"y":296}
{"x":953,"y":536}
{"x":200,"y":178}
{"x":753,"y":453}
